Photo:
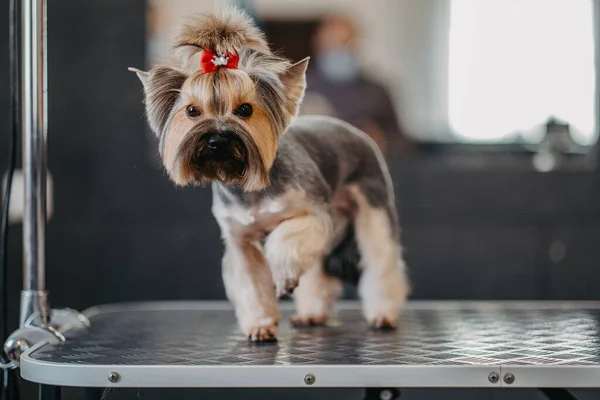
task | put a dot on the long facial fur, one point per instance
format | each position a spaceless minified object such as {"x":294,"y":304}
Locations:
{"x":268,"y":82}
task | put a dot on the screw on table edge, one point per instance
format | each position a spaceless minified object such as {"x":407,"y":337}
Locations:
{"x":309,"y":379}
{"x":494,"y":377}
{"x":114,"y":377}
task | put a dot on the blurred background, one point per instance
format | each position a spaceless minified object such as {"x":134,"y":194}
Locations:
{"x":487,"y":111}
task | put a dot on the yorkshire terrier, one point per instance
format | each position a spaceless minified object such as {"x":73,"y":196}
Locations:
{"x":294,"y":197}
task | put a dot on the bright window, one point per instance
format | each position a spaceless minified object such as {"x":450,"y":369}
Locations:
{"x":515,"y":63}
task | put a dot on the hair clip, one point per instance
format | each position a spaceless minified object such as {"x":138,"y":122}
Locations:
{"x":210,"y":62}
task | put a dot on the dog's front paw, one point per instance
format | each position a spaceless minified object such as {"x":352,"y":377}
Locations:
{"x":383,"y":323}
{"x":299,"y":321}
{"x":262,"y":331}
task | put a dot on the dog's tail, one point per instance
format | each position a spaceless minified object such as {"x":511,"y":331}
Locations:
{"x":224,"y":31}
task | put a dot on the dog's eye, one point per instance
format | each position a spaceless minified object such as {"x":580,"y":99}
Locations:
{"x":192,"y":112}
{"x":243,"y":110}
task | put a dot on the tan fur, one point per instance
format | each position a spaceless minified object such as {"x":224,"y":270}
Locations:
{"x":248,"y":279}
{"x":294,"y":80}
{"x":265,"y":138}
{"x":297,"y":230}
{"x":220,"y":92}
{"x":314,"y":297}
{"x":249,"y":287}
{"x":179,"y":127}
{"x":383,"y":285}
{"x":234,"y":88}
{"x":223,"y":31}
{"x":218,"y":102}
{"x":296,"y":245}
{"x":300,"y":233}
{"x":268,"y":82}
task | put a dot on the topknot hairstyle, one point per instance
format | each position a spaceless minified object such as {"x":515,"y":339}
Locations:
{"x":226,"y":31}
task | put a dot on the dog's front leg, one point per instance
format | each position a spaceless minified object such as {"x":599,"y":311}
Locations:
{"x":296,"y":245}
{"x":249,"y":287}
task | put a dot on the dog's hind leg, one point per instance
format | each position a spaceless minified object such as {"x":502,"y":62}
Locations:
{"x":383,"y":285}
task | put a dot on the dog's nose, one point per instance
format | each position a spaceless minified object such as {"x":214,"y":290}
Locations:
{"x":218,"y":142}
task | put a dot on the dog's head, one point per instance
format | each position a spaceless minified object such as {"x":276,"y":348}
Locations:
{"x":219,"y":115}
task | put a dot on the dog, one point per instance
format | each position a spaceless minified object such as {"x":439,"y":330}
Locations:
{"x":294,"y":196}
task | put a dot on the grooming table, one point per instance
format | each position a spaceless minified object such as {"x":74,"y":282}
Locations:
{"x":438,"y":344}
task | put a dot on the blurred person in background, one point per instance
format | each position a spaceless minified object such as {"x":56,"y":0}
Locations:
{"x":338,"y":87}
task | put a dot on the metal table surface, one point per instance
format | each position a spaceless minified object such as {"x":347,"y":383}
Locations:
{"x":438,"y":344}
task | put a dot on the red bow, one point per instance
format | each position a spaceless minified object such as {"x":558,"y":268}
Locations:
{"x":210,"y":61}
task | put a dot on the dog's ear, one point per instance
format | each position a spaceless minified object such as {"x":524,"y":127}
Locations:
{"x":294,"y":82}
{"x":161,"y":89}
{"x":142,"y":75}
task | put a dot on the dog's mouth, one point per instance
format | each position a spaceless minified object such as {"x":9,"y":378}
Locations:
{"x":230,"y":157}
{"x":220,"y":156}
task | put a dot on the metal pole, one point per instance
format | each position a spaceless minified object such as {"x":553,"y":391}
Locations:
{"x":597,"y":69}
{"x":34,"y":114}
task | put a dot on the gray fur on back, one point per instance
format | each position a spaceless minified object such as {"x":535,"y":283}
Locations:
{"x":342,"y":153}
{"x":322,"y":154}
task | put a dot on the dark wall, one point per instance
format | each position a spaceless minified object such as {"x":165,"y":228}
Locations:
{"x":500,"y":233}
{"x":120,"y":230}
